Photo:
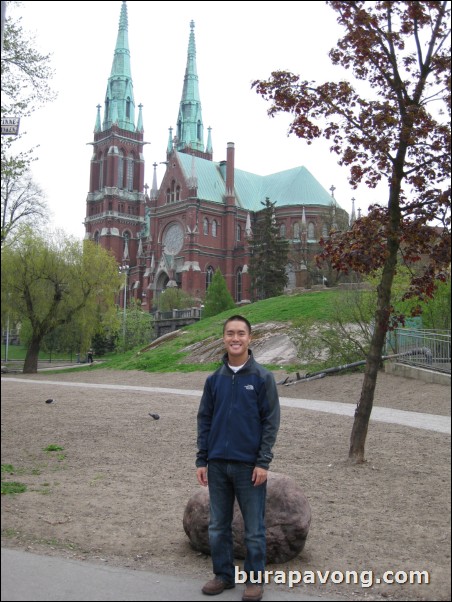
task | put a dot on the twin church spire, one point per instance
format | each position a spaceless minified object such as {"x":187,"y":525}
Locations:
{"x":190,"y":129}
{"x":119,"y":105}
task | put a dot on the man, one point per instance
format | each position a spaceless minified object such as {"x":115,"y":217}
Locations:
{"x":238,"y":420}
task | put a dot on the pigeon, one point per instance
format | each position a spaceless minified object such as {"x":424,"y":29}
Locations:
{"x":154,"y":416}
{"x":49,"y":400}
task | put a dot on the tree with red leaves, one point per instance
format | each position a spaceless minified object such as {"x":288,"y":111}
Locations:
{"x":398,"y":131}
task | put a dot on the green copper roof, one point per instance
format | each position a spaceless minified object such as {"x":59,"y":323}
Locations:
{"x":119,"y":100}
{"x":295,"y":186}
{"x":190,"y":129}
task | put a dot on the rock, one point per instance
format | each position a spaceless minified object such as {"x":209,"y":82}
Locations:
{"x":288,"y":518}
{"x":271,"y":344}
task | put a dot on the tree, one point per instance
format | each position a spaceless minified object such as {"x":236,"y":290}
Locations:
{"x":24,"y":86}
{"x":436,"y":314}
{"x":269,"y":256}
{"x":395,"y":128}
{"x":218,"y":298}
{"x":138,"y":329}
{"x":54,"y":281}
{"x":22,"y":202}
{"x":174,"y":298}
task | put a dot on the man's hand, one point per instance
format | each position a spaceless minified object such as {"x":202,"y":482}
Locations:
{"x":259,"y":476}
{"x":201,"y":475}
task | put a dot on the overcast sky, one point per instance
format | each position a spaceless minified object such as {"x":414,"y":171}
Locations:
{"x":236,"y":43}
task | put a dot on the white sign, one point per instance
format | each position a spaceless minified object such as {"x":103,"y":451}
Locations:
{"x":10,"y":126}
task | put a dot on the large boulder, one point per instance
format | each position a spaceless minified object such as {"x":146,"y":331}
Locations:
{"x":287,"y":520}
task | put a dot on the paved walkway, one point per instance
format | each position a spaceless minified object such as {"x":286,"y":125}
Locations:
{"x":29,"y":577}
{"x":430,"y":422}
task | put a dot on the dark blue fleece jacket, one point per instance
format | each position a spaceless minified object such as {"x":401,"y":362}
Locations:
{"x":238,"y":417}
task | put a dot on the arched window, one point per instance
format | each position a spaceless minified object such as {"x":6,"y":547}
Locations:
{"x":121,"y":170}
{"x":130,"y":165}
{"x":177,"y":193}
{"x":168,"y":195}
{"x":96,"y":237}
{"x":205,"y":226}
{"x":325,"y":231}
{"x":103,"y":171}
{"x":311,"y":231}
{"x":296,"y":231}
{"x":282,"y":231}
{"x":214,"y":227}
{"x":209,"y":276}
{"x":125,"y":247}
{"x":238,"y":285}
{"x":173,"y":191}
{"x":239,"y":232}
{"x":128,"y":107}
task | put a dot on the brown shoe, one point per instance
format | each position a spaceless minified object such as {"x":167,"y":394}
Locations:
{"x":216,"y":586}
{"x":253,"y":592}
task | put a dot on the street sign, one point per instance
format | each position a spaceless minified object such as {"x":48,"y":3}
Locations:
{"x":10,"y":126}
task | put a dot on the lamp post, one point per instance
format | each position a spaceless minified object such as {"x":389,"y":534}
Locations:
{"x":124,"y":269}
{"x":7,"y":340}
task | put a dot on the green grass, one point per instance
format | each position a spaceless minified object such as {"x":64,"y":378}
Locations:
{"x":12,"y":488}
{"x":8,"y":468}
{"x":18,"y":352}
{"x":296,"y":309}
{"x":53,"y":447}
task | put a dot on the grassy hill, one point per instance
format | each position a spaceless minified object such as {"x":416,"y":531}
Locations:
{"x":309,"y":307}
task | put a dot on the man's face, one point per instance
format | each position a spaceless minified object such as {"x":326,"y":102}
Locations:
{"x":237,"y":339}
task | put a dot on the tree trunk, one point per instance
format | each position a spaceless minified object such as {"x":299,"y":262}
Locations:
{"x":373,"y":360}
{"x":31,"y":359}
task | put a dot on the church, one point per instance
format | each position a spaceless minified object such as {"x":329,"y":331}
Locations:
{"x":201,"y":217}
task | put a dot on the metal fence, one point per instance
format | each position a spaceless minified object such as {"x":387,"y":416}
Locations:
{"x":178,"y":314}
{"x":423,"y":348}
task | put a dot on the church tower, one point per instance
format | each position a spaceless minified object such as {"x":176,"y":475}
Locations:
{"x":189,"y":136}
{"x":115,"y":208}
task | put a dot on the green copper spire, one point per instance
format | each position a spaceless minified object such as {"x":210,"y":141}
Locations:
{"x":119,"y":100}
{"x":97,"y":127}
{"x":190,"y":129}
{"x":209,"y":148}
{"x":140,"y":118}
{"x":169,"y":148}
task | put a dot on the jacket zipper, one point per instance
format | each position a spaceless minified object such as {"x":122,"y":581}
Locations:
{"x":229,"y":413}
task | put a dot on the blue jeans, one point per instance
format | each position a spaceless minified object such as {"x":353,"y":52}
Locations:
{"x":227,"y":481}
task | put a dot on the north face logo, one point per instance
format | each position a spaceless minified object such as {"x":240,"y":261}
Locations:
{"x":249,"y":387}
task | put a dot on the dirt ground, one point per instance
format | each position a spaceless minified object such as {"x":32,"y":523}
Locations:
{"x":117,"y":491}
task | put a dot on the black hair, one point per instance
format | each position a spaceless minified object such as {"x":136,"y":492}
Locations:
{"x":238,"y":318}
